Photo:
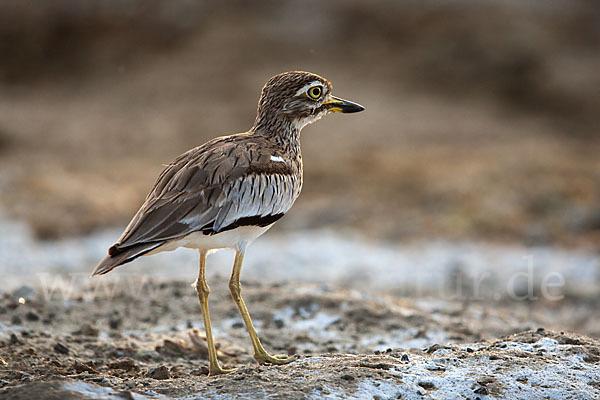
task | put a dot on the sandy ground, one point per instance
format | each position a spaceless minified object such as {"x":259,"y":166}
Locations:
{"x":141,"y":340}
{"x":354,"y":309}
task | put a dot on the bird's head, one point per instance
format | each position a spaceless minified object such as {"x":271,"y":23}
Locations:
{"x":298,"y":98}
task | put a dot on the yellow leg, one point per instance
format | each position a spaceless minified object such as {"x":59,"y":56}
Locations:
{"x":235,"y":287}
{"x":203,"y":291}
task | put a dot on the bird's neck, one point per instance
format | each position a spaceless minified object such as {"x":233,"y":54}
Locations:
{"x":282,"y":131}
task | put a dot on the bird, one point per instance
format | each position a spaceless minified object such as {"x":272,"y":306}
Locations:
{"x":227,"y":192}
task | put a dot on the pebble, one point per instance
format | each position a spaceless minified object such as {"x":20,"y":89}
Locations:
{"x":159,"y":373}
{"x":32,"y":316}
{"x":482,"y":390}
{"x":114,"y":323}
{"x":26,"y":377}
{"x":427,"y":385}
{"x":87,"y":330}
{"x":404,"y":358}
{"x":61,"y":348}
{"x":14,"y":339}
{"x":126,"y":364}
{"x":200,"y":371}
{"x":81,"y":367}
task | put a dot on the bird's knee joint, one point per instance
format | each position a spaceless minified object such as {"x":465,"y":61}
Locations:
{"x":202,"y":289}
{"x":236,"y":289}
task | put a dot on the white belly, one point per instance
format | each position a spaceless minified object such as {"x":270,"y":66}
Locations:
{"x":234,"y":239}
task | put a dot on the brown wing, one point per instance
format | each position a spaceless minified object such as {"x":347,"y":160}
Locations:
{"x":224,"y":183}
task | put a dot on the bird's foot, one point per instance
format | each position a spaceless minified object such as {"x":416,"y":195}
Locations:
{"x":217,"y":370}
{"x":265,"y":358}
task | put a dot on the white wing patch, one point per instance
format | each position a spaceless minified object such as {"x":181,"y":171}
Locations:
{"x":277,"y":159}
{"x":258,"y":195}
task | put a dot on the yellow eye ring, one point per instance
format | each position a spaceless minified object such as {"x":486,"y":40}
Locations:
{"x":315,"y":92}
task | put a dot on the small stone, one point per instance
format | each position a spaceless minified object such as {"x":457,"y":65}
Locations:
{"x":61,"y":348}
{"x":404,"y":358}
{"x":14,"y":339}
{"x":470,"y":350}
{"x":31,"y":316}
{"x":203,"y":370}
{"x":159,"y":373}
{"x":347,"y":377}
{"x":540,"y":330}
{"x":279,"y":323}
{"x":80,"y":367}
{"x":87,"y":330}
{"x":174,"y":347}
{"x":49,"y":318}
{"x":427,"y":385}
{"x":482,"y":390}
{"x":114,"y":323}
{"x":126,"y":364}
{"x":435,"y":367}
{"x":26,"y":377}
{"x":237,"y":325}
{"x":16,"y":320}
{"x":433,"y":348}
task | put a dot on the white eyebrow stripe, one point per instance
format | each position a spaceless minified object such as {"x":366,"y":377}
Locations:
{"x":277,"y":159}
{"x":306,"y":87}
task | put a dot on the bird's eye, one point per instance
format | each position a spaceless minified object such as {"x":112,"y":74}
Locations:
{"x":315,"y":92}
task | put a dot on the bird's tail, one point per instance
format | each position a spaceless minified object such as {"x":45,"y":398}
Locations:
{"x":118,"y":256}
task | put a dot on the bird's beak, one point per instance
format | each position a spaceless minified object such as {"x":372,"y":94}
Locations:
{"x":335,"y":104}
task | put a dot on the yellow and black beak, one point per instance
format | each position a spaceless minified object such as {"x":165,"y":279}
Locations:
{"x":335,"y":104}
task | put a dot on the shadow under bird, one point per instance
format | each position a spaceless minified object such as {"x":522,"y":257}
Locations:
{"x":230,"y":190}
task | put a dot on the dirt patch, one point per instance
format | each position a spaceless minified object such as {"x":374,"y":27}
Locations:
{"x":147,"y":343}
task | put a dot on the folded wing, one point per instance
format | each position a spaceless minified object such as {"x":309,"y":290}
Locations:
{"x":227,"y":182}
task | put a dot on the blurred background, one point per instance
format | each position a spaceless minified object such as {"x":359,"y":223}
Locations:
{"x":481,"y":135}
